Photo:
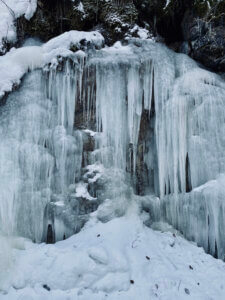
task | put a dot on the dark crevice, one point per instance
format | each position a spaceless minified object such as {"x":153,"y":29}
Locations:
{"x":152,"y":114}
{"x":145,"y":176}
{"x":216,"y":251}
{"x":50,"y":235}
{"x":188,"y":175}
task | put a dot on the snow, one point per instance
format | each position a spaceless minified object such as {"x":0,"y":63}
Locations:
{"x":91,"y":132}
{"x":11,"y":10}
{"x":121,"y":259}
{"x":71,"y":38}
{"x":17,"y":62}
{"x":80,"y":7}
{"x":167,"y":3}
{"x":81,"y":191}
{"x":95,"y":168}
{"x":59,"y":203}
{"x":142,"y":33}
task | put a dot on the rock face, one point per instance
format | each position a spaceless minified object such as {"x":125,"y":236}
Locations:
{"x":195,"y":27}
{"x":51,"y":19}
{"x":113,"y":18}
{"x":201,"y":24}
{"x":204,"y":31}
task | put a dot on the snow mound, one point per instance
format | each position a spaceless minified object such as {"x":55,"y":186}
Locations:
{"x":62,"y":44}
{"x":121,"y":259}
{"x":17,"y":62}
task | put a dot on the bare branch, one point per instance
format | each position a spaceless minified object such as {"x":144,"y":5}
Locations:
{"x":9,"y":8}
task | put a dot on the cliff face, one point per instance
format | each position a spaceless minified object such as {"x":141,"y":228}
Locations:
{"x":195,"y":27}
{"x":204,"y":30}
{"x":113,"y":18}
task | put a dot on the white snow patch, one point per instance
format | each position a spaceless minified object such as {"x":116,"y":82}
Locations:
{"x":81,"y":191}
{"x":63,"y":42}
{"x":90,"y":132}
{"x":95,"y":168}
{"x":121,"y":259}
{"x":16,"y":63}
{"x":59,"y":203}
{"x":80,"y":7}
{"x":167,"y":3}
{"x":141,"y":32}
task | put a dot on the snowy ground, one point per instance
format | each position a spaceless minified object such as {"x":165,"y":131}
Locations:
{"x":121,"y":259}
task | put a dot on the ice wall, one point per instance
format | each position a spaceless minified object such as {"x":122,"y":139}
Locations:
{"x":151,"y":118}
{"x":39,"y":156}
{"x":200,"y":215}
{"x":190,"y":149}
{"x":185,"y":104}
{"x":25,"y":165}
{"x":191,"y":140}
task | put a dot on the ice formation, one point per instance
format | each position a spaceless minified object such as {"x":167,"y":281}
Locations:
{"x":32,"y":55}
{"x":97,"y":127}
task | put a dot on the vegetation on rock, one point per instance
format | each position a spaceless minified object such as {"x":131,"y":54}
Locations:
{"x":199,"y":23}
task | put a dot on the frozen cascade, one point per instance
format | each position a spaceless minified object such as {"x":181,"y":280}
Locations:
{"x":26,"y":166}
{"x":157,"y":120}
{"x":39,"y":157}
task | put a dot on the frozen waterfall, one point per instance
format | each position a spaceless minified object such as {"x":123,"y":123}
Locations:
{"x":88,"y":127}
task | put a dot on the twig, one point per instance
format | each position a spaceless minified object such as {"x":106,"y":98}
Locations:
{"x":9,"y":8}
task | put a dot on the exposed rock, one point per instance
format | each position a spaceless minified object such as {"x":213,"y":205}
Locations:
{"x":204,"y":30}
{"x":163,"y":16}
{"x":53,"y":18}
{"x":200,"y":23}
{"x":145,"y":138}
{"x":118,"y":19}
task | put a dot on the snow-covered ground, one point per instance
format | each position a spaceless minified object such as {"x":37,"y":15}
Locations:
{"x":121,"y":259}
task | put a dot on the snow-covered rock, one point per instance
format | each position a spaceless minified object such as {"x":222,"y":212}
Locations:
{"x":17,"y":62}
{"x":10,"y":10}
